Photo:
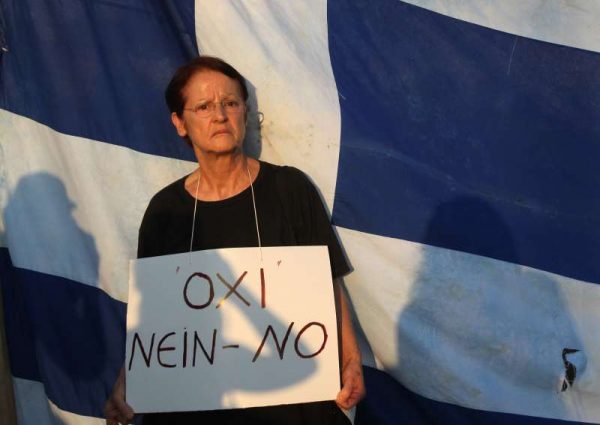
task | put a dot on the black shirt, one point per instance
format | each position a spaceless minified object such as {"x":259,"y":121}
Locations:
{"x":289,"y":209}
{"x":290,"y":212}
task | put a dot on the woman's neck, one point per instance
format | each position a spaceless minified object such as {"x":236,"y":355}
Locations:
{"x":221,"y":177}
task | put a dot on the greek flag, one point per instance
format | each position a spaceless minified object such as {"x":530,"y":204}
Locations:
{"x":456,"y":144}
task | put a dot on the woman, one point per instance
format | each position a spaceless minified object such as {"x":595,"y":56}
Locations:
{"x":236,"y":201}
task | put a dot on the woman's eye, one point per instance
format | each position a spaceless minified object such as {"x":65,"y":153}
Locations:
{"x":202,"y":107}
{"x":231,"y":103}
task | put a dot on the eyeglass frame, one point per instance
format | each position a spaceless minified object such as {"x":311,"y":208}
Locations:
{"x":211,"y":110}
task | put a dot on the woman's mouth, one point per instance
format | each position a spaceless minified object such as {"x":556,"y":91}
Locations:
{"x":219,"y":132}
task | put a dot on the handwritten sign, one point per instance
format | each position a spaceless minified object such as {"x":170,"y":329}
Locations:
{"x":221,"y":329}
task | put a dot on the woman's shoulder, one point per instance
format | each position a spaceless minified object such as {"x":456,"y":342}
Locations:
{"x":169,"y":196}
{"x":287,"y":175}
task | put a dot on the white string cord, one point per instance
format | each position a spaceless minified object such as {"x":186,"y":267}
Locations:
{"x":255,"y":213}
{"x":194,"y":216}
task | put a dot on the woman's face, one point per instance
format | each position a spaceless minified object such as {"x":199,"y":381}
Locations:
{"x":212,"y":126}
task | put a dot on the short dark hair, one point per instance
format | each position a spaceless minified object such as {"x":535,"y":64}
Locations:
{"x":174,"y":91}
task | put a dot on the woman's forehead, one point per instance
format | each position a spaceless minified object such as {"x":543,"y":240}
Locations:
{"x":209,"y":83}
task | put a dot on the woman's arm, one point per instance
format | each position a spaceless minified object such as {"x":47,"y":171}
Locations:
{"x":116,"y":410}
{"x":353,"y":385}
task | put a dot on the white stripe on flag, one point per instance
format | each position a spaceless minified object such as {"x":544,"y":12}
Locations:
{"x":282,"y":49}
{"x":568,"y":22}
{"x":31,"y":403}
{"x":477,"y":332}
{"x":72,"y":206}
{"x":33,"y":408}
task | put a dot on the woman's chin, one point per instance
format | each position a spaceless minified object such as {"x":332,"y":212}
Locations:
{"x":220,"y":149}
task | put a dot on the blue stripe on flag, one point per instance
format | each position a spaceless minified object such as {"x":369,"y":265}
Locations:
{"x":466,"y":138}
{"x":98,"y":69}
{"x":69,"y":336}
{"x":389,"y":402}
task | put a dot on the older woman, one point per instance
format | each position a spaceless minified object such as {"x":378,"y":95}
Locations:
{"x":237,"y":200}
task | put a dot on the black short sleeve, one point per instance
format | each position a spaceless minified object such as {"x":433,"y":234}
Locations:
{"x":308,"y":216}
{"x":166,"y":223}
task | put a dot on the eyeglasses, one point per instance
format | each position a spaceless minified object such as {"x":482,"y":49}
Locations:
{"x":206,"y":109}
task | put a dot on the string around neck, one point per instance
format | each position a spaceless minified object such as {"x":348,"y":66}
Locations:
{"x":194,"y":216}
{"x":253,"y":207}
{"x":255,"y":213}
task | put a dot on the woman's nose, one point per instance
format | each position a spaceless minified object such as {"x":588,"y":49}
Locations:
{"x":219,"y":113}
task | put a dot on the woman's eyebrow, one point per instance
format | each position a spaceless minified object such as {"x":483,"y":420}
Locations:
{"x":226,"y":95}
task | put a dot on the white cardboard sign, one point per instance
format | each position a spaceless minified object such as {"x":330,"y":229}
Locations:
{"x":221,"y":329}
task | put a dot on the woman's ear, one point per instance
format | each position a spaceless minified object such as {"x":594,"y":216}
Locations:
{"x":178,"y":124}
